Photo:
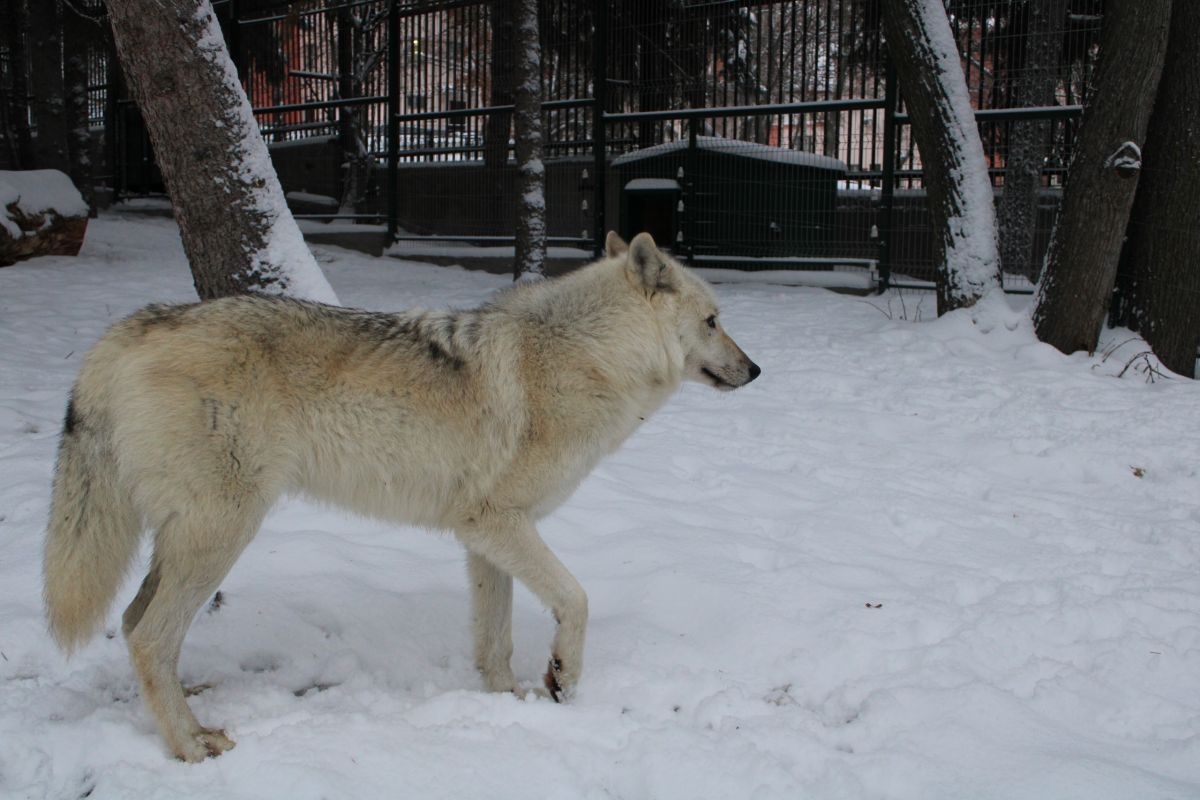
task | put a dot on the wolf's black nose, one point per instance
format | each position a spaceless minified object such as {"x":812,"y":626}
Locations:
{"x":755,"y":371}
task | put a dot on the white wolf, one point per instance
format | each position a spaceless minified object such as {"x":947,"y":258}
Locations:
{"x":192,"y":420}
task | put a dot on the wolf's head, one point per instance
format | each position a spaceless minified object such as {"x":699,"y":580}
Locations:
{"x":710,"y":356}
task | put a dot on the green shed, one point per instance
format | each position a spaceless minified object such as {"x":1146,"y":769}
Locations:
{"x":710,"y":197}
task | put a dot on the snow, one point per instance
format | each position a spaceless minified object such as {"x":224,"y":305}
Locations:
{"x":652,"y":185}
{"x":737,"y":147}
{"x":284,"y":254}
{"x":1126,"y":159}
{"x":910,"y":561}
{"x":35,"y":191}
{"x":313,"y":199}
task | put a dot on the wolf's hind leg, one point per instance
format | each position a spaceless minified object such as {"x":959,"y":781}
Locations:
{"x":510,"y":541}
{"x":191,"y":557}
{"x":135,"y":610}
{"x":491,"y":606}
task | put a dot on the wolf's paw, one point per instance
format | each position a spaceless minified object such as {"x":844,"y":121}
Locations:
{"x":558,"y":681}
{"x":206,"y":743}
{"x":500,"y":681}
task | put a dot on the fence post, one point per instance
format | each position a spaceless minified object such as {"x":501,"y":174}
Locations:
{"x":890,"y":146}
{"x":393,"y":126}
{"x":599,"y":97}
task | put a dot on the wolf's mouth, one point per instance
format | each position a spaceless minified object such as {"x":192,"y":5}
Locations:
{"x":717,"y":380}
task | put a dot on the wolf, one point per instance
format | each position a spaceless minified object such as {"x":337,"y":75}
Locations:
{"x":190,"y":421}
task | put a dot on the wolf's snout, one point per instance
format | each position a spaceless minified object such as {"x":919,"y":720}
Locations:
{"x":755,"y":371}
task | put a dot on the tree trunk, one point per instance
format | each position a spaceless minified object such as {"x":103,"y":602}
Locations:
{"x":495,"y":133}
{"x":958,"y":190}
{"x":654,"y":91}
{"x":80,"y":36}
{"x":1081,"y":264}
{"x":49,"y":106}
{"x":14,"y":22}
{"x":1161,"y":281}
{"x":530,"y":256}
{"x":237,"y":231}
{"x":1028,"y":140}
{"x":357,"y":162}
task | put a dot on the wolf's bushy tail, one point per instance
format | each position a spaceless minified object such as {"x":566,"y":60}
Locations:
{"x":93,"y":532}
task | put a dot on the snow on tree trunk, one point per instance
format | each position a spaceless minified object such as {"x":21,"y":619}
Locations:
{"x":237,"y":231}
{"x":1028,"y":140}
{"x":356,"y":58}
{"x":48,"y":102}
{"x":1161,"y":284}
{"x":530,"y":256}
{"x":959,"y":192}
{"x":1081,"y":264}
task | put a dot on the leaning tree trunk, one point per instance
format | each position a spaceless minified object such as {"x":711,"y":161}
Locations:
{"x":1162,"y":283}
{"x":958,"y":190}
{"x":237,"y":231}
{"x":530,"y":255}
{"x":1028,"y":139}
{"x":48,"y":102}
{"x":1081,"y":264}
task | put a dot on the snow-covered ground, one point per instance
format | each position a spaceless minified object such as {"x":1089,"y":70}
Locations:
{"x":910,"y":561}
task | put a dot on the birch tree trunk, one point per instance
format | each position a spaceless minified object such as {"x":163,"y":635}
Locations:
{"x":237,"y":231}
{"x":955,"y":176}
{"x":530,"y":256}
{"x":1028,"y":140}
{"x":1081,"y":265}
{"x":1161,"y":281}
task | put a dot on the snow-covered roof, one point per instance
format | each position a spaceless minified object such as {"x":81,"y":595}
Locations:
{"x":652,"y":185}
{"x":761,"y":152}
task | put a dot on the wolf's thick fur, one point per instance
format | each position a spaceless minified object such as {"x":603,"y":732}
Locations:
{"x":192,"y":420}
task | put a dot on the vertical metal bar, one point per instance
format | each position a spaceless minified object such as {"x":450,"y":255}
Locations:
{"x":887,"y":190}
{"x":599,"y":96}
{"x":393,"y":124}
{"x":689,"y":197}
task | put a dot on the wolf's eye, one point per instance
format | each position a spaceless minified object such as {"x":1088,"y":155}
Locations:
{"x":711,"y":321}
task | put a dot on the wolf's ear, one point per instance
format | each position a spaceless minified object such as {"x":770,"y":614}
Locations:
{"x":614,"y":245}
{"x":650,"y":268}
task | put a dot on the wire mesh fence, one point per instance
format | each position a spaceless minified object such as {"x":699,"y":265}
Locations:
{"x":399,"y":111}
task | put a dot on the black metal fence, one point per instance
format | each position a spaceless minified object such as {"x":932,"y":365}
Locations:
{"x":759,"y":134}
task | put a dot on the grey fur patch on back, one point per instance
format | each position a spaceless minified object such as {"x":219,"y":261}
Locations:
{"x":160,"y":315}
{"x":442,"y":337}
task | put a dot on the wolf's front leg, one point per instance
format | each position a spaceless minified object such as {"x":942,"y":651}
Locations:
{"x":510,"y":542}
{"x":491,"y":607}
